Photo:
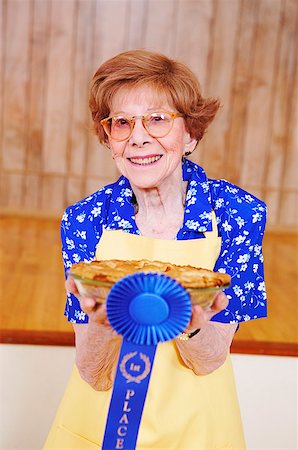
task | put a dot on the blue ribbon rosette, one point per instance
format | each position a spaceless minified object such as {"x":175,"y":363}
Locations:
{"x":145,"y":309}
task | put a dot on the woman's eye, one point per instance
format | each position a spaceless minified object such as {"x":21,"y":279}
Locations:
{"x":157,"y":118}
{"x":121,"y":122}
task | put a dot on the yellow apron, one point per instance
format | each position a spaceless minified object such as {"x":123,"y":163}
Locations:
{"x":182,"y":410}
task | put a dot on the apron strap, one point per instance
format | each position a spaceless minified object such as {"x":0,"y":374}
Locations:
{"x":214,"y":232}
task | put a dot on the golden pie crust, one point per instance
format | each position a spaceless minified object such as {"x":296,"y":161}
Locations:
{"x":111,"y":271}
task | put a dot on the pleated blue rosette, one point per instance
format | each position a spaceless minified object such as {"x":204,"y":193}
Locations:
{"x":145,"y":308}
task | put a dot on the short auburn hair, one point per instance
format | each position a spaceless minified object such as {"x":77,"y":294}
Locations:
{"x":135,"y":68}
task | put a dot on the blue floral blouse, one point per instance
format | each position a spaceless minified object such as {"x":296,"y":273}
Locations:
{"x":241,"y":219}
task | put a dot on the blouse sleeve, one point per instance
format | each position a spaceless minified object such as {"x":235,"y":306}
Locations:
{"x":242,"y":259}
{"x":79,"y":240}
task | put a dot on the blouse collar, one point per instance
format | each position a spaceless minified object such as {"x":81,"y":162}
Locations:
{"x":198,"y":206}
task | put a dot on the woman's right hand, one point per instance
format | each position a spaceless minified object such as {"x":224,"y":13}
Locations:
{"x":95,"y":311}
{"x":97,"y":344}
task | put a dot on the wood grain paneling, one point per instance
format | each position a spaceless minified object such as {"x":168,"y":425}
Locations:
{"x":59,"y":88}
{"x":16,"y":51}
{"x":243,"y":51}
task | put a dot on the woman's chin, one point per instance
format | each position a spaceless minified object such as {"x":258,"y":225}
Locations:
{"x":145,"y":184}
{"x":145,"y":179}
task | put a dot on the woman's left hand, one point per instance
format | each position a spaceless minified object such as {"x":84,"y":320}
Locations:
{"x":208,"y":349}
{"x":200,"y":316}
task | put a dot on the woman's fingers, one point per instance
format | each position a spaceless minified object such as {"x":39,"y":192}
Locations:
{"x":219,"y":303}
{"x":87,"y":304}
{"x":70,"y":286}
{"x":198,"y":318}
{"x":202,"y":315}
{"x":96,"y":311}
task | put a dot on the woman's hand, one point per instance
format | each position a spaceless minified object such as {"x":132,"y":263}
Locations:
{"x":208,"y":349}
{"x":97,"y":344}
{"x":95,"y":311}
{"x":200,"y":316}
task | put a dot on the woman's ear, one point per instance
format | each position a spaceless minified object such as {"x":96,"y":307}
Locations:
{"x":190,"y":145}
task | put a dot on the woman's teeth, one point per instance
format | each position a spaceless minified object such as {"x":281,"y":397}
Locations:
{"x":144,"y":161}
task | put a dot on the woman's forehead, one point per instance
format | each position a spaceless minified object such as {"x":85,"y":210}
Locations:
{"x":144,"y":95}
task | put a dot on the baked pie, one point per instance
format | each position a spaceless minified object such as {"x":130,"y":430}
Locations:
{"x":111,"y":271}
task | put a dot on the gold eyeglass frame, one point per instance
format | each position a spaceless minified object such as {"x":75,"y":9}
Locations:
{"x":132,"y":121}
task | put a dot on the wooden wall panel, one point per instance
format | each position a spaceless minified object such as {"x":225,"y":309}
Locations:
{"x":59,"y":89}
{"x":52,"y":192}
{"x":110,"y":30}
{"x":193,"y":37}
{"x":165,"y":22}
{"x":18,"y":22}
{"x":37,"y":68}
{"x":81,"y":73}
{"x":224,"y":30}
{"x":12,"y":190}
{"x":259,"y":112}
{"x":135,"y":23}
{"x":2,"y":37}
{"x":240,"y":93}
{"x":243,"y":51}
{"x":31,"y":198}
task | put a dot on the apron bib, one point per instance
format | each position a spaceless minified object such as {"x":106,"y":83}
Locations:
{"x":182,"y":410}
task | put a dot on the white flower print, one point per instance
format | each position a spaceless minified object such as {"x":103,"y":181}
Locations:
{"x":96,"y":211}
{"x":70,"y":243}
{"x":206,"y":215}
{"x":249,"y":285}
{"x":240,"y":222}
{"x":226,"y":226}
{"x":81,"y":217}
{"x":238,"y":291}
{"x":239,"y":240}
{"x":191,"y":192}
{"x":257,"y":217}
{"x":248,"y":198}
{"x":205,"y":186}
{"x":76,"y":258}
{"x":261,"y":286}
{"x":65,"y":217}
{"x":80,"y":234}
{"x":191,"y":201}
{"x":124,"y":223}
{"x":219,"y":202}
{"x":69,"y":299}
{"x":193,"y":225}
{"x":126,"y":192}
{"x":232,"y":189}
{"x":80,"y":315}
{"x":243,"y":258}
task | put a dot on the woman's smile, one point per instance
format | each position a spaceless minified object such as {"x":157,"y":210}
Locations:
{"x":145,"y":160}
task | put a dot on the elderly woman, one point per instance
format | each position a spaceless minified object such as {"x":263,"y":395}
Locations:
{"x":150,"y":113}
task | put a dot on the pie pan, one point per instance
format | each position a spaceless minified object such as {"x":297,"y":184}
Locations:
{"x":99,"y":290}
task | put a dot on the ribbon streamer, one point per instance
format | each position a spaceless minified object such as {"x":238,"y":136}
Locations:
{"x":145,"y":309}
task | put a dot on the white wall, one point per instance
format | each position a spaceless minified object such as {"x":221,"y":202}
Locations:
{"x":32,"y":380}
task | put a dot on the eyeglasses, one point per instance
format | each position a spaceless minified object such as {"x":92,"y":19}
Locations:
{"x":157,"y":124}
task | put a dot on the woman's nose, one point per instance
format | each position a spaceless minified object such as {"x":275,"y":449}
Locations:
{"x":139,"y":135}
